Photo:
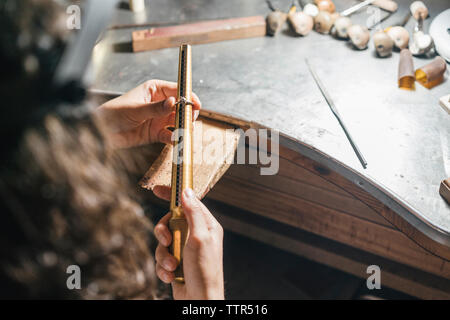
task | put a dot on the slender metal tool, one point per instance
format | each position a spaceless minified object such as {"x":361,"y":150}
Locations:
{"x":337,"y":115}
{"x":182,"y":157}
{"x":356,"y":7}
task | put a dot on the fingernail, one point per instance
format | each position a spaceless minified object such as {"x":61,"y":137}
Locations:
{"x":189,"y":193}
{"x":168,"y":264}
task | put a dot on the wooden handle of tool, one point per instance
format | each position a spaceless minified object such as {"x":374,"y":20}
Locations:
{"x":179,"y":229}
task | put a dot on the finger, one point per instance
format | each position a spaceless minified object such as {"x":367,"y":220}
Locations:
{"x":193,"y":212}
{"x":163,"y":192}
{"x":162,"y":232}
{"x":158,"y":109}
{"x":165,"y":259}
{"x":164,"y":275}
{"x":165,"y":136}
{"x":161,"y":89}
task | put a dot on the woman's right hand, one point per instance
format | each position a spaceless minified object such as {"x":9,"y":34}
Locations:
{"x":203,"y":252}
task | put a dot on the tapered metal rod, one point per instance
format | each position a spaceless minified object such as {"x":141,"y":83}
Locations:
{"x":337,"y":115}
{"x":182,"y":157}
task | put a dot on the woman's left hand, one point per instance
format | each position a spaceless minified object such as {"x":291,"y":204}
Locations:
{"x":142,"y":115}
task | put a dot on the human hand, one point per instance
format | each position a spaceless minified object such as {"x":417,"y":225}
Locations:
{"x":202,"y":256}
{"x":142,"y":115}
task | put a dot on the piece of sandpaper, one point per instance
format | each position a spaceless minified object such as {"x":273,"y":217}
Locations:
{"x":444,"y":189}
{"x":214,"y":146}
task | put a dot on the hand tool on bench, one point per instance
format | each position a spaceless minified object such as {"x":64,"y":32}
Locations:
{"x":431,"y":74}
{"x":398,"y":33}
{"x":325,"y":5}
{"x":198,"y":33}
{"x":386,"y":5}
{"x":422,"y":43}
{"x":406,"y":75}
{"x":337,"y":115}
{"x":215,"y":146}
{"x":365,"y":3}
{"x":340,"y":26}
{"x":439,"y":31}
{"x":182,"y":157}
{"x":137,"y":5}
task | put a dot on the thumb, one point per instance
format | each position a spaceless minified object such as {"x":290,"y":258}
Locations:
{"x":155,"y":109}
{"x":193,"y":212}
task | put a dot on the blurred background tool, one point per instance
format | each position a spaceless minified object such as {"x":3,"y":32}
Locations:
{"x":431,"y":74}
{"x":398,"y":33}
{"x":199,"y":32}
{"x":394,"y":201}
{"x":300,"y":22}
{"x":337,"y":115}
{"x":439,"y":31}
{"x":325,"y":5}
{"x":356,"y":7}
{"x":406,"y":74}
{"x":387,"y":5}
{"x":383,"y":44}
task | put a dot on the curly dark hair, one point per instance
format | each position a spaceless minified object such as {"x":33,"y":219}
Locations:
{"x":69,"y":201}
{"x":65,"y":198}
